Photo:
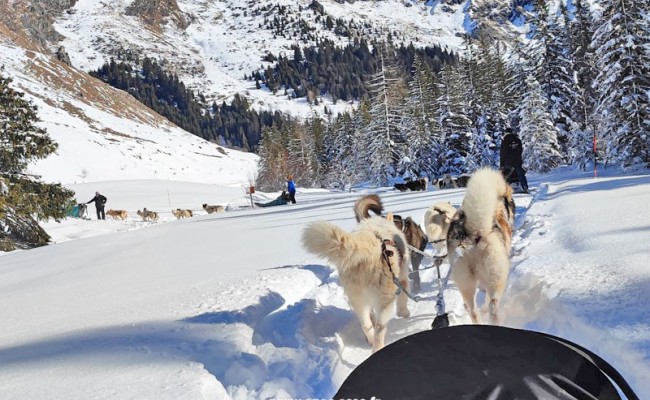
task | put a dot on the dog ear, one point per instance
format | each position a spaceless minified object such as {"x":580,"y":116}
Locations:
{"x":389,"y":217}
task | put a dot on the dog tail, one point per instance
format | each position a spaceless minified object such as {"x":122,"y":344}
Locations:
{"x":334,"y":244}
{"x":485,"y":192}
{"x":364,"y":205}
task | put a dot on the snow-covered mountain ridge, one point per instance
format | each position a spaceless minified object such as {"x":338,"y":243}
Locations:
{"x":105,"y":134}
{"x":213,"y":44}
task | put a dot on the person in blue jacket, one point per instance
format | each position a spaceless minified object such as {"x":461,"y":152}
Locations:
{"x":291,"y":188}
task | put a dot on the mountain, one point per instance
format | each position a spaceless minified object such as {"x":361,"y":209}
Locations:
{"x":47,"y":48}
{"x":212,"y":45}
{"x":103,"y":133}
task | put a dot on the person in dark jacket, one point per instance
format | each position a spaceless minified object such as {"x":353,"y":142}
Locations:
{"x":510,"y":157}
{"x":291,"y":189}
{"x":100,"y":201}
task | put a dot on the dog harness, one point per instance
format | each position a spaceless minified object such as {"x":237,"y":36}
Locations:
{"x":387,"y":254}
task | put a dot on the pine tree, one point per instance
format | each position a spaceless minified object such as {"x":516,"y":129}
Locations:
{"x":24,"y":200}
{"x":347,"y":165}
{"x":385,"y":141}
{"x":622,"y":47}
{"x":421,"y":129}
{"x":301,"y":153}
{"x":537,"y":131}
{"x":581,"y":140}
{"x":491,"y":86}
{"x":562,"y":89}
{"x":455,"y":122}
{"x":518,"y":67}
{"x":273,"y":162}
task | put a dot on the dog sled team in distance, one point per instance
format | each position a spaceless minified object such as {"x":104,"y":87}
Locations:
{"x":447,"y":181}
{"x":373,"y":259}
{"x":80,"y":210}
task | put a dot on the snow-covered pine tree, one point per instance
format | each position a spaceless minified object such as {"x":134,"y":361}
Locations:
{"x":272,"y":165}
{"x":474,"y":110}
{"x":536,"y":48}
{"x":517,"y":66}
{"x":581,"y":32}
{"x":302,"y":160}
{"x":536,"y":130}
{"x":562,"y":90}
{"x":622,"y":49}
{"x":24,"y":199}
{"x":318,"y":128}
{"x":348,"y":165}
{"x":419,"y":124}
{"x":454,"y":121}
{"x":385,"y":142}
{"x":491,"y":83}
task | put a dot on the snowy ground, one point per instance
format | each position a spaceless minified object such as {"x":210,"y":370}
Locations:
{"x":230,"y":306}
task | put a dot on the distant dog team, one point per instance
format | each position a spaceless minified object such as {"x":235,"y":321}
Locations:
{"x":152,"y":216}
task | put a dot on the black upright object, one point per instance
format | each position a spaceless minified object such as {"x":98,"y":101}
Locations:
{"x":484,"y":362}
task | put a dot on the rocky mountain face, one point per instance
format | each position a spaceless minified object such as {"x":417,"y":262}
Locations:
{"x":34,"y":18}
{"x":156,"y":13}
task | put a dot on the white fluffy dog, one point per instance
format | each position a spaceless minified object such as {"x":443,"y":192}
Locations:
{"x":436,"y":224}
{"x":479,"y":239}
{"x":367,"y":260}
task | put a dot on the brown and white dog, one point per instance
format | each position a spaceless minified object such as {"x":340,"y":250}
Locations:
{"x":479,"y":240}
{"x":115,"y":214}
{"x":436,"y":224}
{"x":178,"y":213}
{"x":213,"y":208}
{"x":414,"y":234}
{"x":148,"y":215}
{"x":367,"y":259}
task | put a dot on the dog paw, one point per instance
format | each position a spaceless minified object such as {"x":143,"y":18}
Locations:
{"x":405,"y":313}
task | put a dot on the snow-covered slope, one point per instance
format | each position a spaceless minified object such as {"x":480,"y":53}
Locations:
{"x":105,"y":134}
{"x":220,"y":41}
{"x":230,"y":306}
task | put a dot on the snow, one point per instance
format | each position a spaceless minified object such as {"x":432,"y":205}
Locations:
{"x":224,"y":41}
{"x":110,"y":136}
{"x":229,"y":306}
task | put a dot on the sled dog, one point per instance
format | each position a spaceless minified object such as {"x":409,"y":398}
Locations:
{"x":178,"y":213}
{"x":115,"y":214}
{"x":461,"y":181}
{"x":479,"y":239}
{"x":148,"y":215}
{"x":213,"y":208}
{"x":414,"y":234}
{"x":436,"y":224}
{"x":416,"y":185}
{"x":446,"y":182}
{"x":367,"y":259}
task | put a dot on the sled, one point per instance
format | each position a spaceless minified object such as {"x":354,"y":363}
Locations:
{"x":484,"y":362}
{"x":279,"y":201}
{"x":511,"y":178}
{"x":78,"y":211}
